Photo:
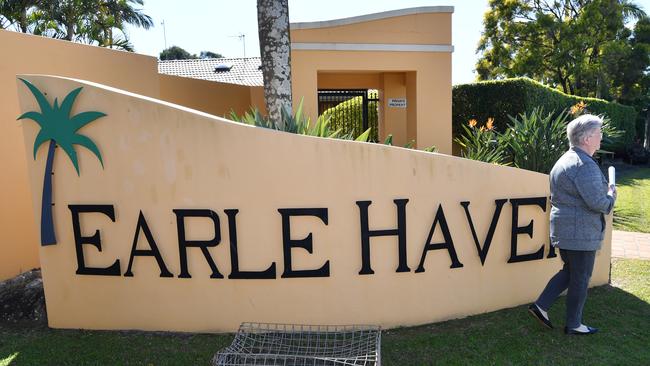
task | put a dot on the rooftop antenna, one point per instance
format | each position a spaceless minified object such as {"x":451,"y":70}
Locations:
{"x":164,"y":33}
{"x":242,"y":38}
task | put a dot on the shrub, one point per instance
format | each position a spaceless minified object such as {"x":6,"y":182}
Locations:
{"x":300,"y":124}
{"x":297,"y":123}
{"x":501,"y":98}
{"x":535,"y":140}
{"x":482,"y":143}
{"x":348,"y":116}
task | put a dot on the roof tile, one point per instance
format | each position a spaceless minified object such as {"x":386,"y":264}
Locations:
{"x":244,"y":71}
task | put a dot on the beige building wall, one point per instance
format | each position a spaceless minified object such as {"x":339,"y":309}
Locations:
{"x":257,"y":98}
{"x":160,"y":157}
{"x":414,"y":41}
{"x":206,"y":96}
{"x":349,"y":80}
{"x":27,"y":54}
{"x":395,"y":118}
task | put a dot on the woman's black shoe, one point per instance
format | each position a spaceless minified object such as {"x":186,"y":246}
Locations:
{"x":533,"y":310}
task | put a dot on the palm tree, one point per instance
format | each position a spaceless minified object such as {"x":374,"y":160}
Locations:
{"x":92,"y":21}
{"x":275,"y":52}
{"x":114,"y":15}
{"x":59,"y":128}
{"x":69,"y":17}
{"x":17,"y":13}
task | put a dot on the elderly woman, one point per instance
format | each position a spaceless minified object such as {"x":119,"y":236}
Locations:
{"x":580,"y":199}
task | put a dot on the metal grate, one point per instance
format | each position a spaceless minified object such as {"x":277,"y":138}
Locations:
{"x":292,"y":344}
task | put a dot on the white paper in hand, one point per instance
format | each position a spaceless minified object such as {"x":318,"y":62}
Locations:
{"x":612,"y":175}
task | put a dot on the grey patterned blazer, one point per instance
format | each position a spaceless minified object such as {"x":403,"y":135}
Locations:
{"x":579,"y":202}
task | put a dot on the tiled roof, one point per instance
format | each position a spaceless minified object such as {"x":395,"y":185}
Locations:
{"x":243,"y":71}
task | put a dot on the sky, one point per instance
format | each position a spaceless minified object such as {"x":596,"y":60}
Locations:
{"x":215,"y":25}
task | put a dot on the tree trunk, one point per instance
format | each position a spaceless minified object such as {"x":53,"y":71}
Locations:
{"x":69,"y":31}
{"x":647,"y":129}
{"x":275,"y":52}
{"x":22,"y":23}
{"x":562,"y":80}
{"x":48,"y":236}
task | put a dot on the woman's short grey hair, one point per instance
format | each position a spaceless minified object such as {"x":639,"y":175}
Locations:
{"x":581,"y":127}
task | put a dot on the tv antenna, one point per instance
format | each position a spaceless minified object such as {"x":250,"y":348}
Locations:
{"x":242,"y":38}
{"x":164,"y":33}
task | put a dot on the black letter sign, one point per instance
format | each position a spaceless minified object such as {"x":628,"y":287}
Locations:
{"x":306,"y":243}
{"x":366,"y":234}
{"x":482,"y":252}
{"x":235,"y":273}
{"x":447,"y":244}
{"x":153,"y":252}
{"x":528,"y":229}
{"x":183,"y":244}
{"x":114,"y":269}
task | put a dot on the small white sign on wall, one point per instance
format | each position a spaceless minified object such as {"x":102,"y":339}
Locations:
{"x":397,"y":102}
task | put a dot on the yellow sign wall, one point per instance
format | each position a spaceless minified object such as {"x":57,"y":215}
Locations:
{"x":189,"y":206}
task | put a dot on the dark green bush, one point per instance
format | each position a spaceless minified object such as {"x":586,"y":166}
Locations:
{"x":499,"y":99}
{"x":534,"y":141}
{"x":348,"y":116}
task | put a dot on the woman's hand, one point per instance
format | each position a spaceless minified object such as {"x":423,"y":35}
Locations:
{"x":612,"y":191}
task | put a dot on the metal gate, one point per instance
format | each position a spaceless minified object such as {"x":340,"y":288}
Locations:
{"x":352,"y":110}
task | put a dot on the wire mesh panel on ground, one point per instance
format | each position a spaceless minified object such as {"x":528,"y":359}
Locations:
{"x":302,"y":345}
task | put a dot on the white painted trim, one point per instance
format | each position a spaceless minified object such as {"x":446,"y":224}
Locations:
{"x":370,"y":17}
{"x":372,"y":47}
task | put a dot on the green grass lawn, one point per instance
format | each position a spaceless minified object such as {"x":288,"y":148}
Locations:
{"x":632,"y":209}
{"x":505,"y":337}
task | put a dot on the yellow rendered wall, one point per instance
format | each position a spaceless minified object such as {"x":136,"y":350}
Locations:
{"x":394,"y":118}
{"x":349,"y":80}
{"x":136,"y":73}
{"x":428,"y":73}
{"x":432,"y":85}
{"x":425,"y":28}
{"x":411,"y":111}
{"x":26,"y":54}
{"x":206,"y":96}
{"x":159,"y":157}
{"x":257,"y":98}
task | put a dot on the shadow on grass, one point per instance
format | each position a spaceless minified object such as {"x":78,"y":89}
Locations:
{"x":511,"y":336}
{"x":37,"y":345}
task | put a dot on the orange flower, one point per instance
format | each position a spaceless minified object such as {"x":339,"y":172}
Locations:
{"x":472,"y":123}
{"x":578,"y":108}
{"x":490,"y":123}
{"x":483,"y":129}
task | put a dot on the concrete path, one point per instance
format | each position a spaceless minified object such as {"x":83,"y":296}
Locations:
{"x":630,"y":245}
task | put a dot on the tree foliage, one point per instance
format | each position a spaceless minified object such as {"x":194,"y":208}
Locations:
{"x":176,"y":53}
{"x":580,"y":46}
{"x":210,"y":54}
{"x":100,"y":22}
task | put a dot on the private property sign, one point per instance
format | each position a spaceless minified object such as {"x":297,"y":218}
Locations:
{"x":397,"y":102}
{"x":181,"y":221}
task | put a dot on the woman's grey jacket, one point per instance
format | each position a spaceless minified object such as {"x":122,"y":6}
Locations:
{"x":579,"y":202}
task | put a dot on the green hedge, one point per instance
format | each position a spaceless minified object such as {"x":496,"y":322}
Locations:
{"x":500,"y":98}
{"x":348,"y":116}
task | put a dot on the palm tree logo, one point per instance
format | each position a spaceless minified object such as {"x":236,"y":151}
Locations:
{"x":59,"y":128}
